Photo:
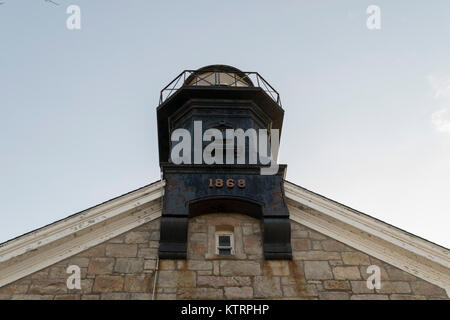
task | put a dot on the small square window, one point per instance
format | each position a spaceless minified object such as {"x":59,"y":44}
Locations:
{"x":224,"y":243}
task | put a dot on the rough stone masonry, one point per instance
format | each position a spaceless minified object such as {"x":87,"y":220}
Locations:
{"x":124,"y":268}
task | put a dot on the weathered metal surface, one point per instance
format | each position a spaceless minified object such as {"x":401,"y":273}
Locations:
{"x":189,"y":193}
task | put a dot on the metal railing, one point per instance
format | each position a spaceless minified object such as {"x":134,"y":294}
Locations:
{"x":189,"y":78}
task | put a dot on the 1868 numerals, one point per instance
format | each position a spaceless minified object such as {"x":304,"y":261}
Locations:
{"x":229,"y":183}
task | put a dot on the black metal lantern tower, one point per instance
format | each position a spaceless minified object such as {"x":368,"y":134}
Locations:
{"x":221,"y":97}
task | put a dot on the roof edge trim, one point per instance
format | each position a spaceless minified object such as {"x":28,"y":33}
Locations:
{"x":75,"y":223}
{"x":369,"y":224}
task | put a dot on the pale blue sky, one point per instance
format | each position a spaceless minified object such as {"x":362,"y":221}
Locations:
{"x":367,"y":112}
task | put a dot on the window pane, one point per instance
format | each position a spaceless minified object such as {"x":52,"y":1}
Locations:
{"x":224,"y":241}
{"x":206,"y":79}
{"x":225,"y":251}
{"x":226,"y":79}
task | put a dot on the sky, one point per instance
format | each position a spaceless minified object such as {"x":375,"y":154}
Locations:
{"x":367,"y":112}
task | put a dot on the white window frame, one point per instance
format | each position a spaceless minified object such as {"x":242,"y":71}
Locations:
{"x":225,"y":233}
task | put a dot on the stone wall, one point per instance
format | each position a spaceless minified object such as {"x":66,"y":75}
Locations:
{"x":124,"y":268}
